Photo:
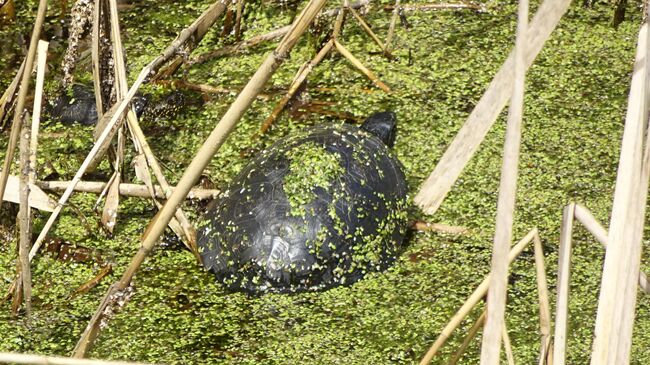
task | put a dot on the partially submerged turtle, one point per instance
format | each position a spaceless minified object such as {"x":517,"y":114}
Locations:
{"x":319,"y":209}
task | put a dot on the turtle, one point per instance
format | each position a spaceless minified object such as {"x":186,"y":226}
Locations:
{"x":316,"y":210}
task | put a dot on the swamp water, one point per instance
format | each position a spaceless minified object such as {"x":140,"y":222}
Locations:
{"x":574,"y":112}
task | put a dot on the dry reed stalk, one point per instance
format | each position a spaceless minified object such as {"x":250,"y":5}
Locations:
{"x":24,"y":218}
{"x":298,"y":80}
{"x":563,"y":274}
{"x":427,"y":7}
{"x":391,"y":26}
{"x":22,"y":96}
{"x":15,"y":358}
{"x":368,"y":30}
{"x":113,"y":116}
{"x":545,"y":354}
{"x":198,"y":164}
{"x":584,"y":216}
{"x":240,"y":10}
{"x":96,"y":57}
{"x":462,"y":148}
{"x":497,"y":293}
{"x":134,"y":190}
{"x":473,"y":331}
{"x":207,"y":89}
{"x":356,"y":63}
{"x":617,"y":301}
{"x":7,"y":98}
{"x":473,"y":299}
{"x":274,"y":34}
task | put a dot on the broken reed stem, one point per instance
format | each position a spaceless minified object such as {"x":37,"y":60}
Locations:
{"x":38,"y":101}
{"x":497,"y":293}
{"x":545,"y":356}
{"x":22,"y":96}
{"x":507,"y":346}
{"x":300,"y":78}
{"x":617,"y":300}
{"x":240,"y":11}
{"x":564,"y":268}
{"x":391,"y":27}
{"x":473,"y":331}
{"x":427,"y":7}
{"x":8,"y":96}
{"x":114,"y":115}
{"x":469,"y":137}
{"x":584,"y":216}
{"x":14,"y":358}
{"x":241,"y":46}
{"x":24,"y":217}
{"x":473,"y":299}
{"x":95,"y":57}
{"x":133,"y":190}
{"x":201,"y":160}
{"x":356,"y":63}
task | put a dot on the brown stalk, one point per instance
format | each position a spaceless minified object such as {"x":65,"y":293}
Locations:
{"x":203,"y":157}
{"x":22,"y":96}
{"x":14,"y":358}
{"x":356,"y":63}
{"x":438,"y":227}
{"x":300,"y":78}
{"x":370,"y":32}
{"x":462,"y":148}
{"x":8,"y":97}
{"x":429,"y":7}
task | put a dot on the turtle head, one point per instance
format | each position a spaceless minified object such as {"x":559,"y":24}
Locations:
{"x":382,"y":125}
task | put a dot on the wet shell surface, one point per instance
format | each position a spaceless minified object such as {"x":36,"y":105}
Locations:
{"x":316,"y":210}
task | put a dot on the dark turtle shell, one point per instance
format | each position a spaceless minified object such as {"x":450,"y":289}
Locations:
{"x":313,"y":211}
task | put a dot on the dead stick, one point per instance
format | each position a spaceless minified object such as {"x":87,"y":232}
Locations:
{"x":203,"y":157}
{"x":356,"y":63}
{"x":8,"y":96}
{"x":473,"y":331}
{"x":24,"y":216}
{"x":425,"y":7}
{"x":240,"y":10}
{"x":295,"y":85}
{"x":22,"y":95}
{"x":460,"y":151}
{"x":473,"y":299}
{"x":497,"y":294}
{"x":544,"y":304}
{"x":133,"y":190}
{"x":274,"y":34}
{"x":113,"y":116}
